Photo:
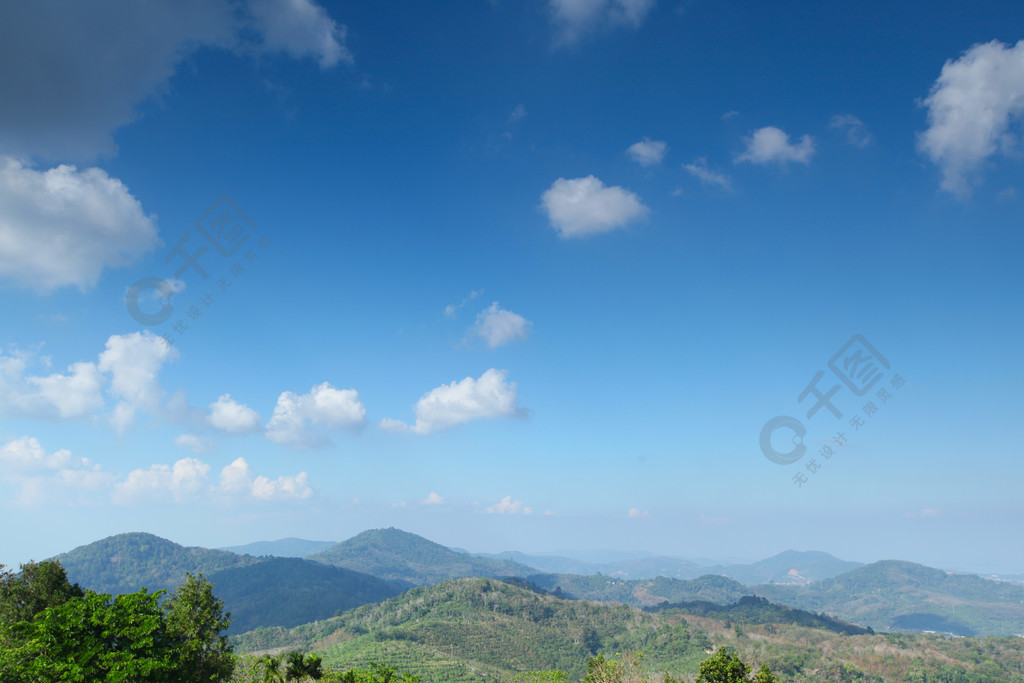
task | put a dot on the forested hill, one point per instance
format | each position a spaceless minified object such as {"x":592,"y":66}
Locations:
{"x":754,"y":610}
{"x":788,"y":567}
{"x":127,"y":562}
{"x":483,"y":629}
{"x":896,"y":595}
{"x":284,"y":591}
{"x":641,"y":592}
{"x":412,"y":560}
{"x":491,"y":627}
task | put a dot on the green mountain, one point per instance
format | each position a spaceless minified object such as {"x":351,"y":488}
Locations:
{"x":285,"y":547}
{"x":484,"y":629}
{"x":895,"y":595}
{"x":641,"y":592}
{"x":411,"y":560}
{"x":466,"y":629}
{"x":282,"y":591}
{"x":127,"y":562}
{"x":754,"y":610}
{"x":789,"y":567}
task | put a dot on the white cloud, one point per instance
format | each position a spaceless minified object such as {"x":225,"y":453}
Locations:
{"x":573,"y":18}
{"x":194,"y":442}
{"x":771,"y":145}
{"x":302,"y":29}
{"x":731,"y":114}
{"x":453,"y":404}
{"x":73,"y":395}
{"x":134,"y":362}
{"x":636,"y":513}
{"x":92,"y":63}
{"x":647,"y":152}
{"x":27,"y":455}
{"x":857,"y":133}
{"x":507,"y":506}
{"x":972,"y":108}
{"x":188,"y":480}
{"x":237,"y":480}
{"x":433,"y":499}
{"x":699,"y":170}
{"x":295,"y":416}
{"x":498,"y":326}
{"x":183,"y":481}
{"x":54,"y":477}
{"x":64,"y":226}
{"x":584,"y":206}
{"x":233,"y":417}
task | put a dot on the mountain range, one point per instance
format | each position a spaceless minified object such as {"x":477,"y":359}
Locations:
{"x":379,"y":564}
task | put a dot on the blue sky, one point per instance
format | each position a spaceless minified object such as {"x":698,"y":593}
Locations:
{"x":515,"y":275}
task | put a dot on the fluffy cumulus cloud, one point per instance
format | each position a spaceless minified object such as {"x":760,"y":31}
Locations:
{"x":134,"y":362}
{"x":301,"y":28}
{"x":93,"y":63}
{"x":233,"y":417}
{"x":470,"y":399}
{"x":433,"y":499}
{"x":27,"y":455}
{"x":295,"y":417}
{"x":647,"y":152}
{"x":128,"y":370}
{"x":75,"y":394}
{"x":699,"y":169}
{"x":771,"y":145}
{"x":237,"y":480}
{"x":857,"y":133}
{"x":974,"y":112}
{"x":64,"y":226}
{"x":183,"y":481}
{"x":573,"y":18}
{"x":584,"y":206}
{"x":39,"y":476}
{"x":498,"y":327}
{"x":507,"y":506}
{"x":189,"y":480}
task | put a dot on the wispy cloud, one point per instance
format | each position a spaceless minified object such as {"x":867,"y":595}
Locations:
{"x":699,"y":169}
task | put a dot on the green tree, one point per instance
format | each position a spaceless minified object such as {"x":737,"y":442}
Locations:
{"x":542,"y":677}
{"x":725,"y":666}
{"x":36,"y":587}
{"x":601,"y":670}
{"x":377,"y":673}
{"x":196,"y":620}
{"x":300,"y":666}
{"x":93,"y":638}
